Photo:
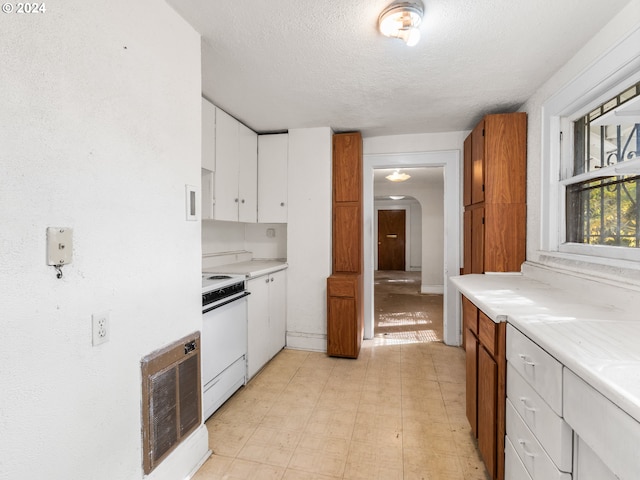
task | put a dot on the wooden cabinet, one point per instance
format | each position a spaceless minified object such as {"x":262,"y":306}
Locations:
{"x":273,"y":153}
{"x":495,"y":194}
{"x":267,"y":319}
{"x":485,"y":348}
{"x":345,"y":325}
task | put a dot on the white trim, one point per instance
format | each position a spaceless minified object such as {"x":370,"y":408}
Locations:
{"x":450,"y":160}
{"x":618,"y":68}
{"x":432,"y":289}
{"x":306,"y":341}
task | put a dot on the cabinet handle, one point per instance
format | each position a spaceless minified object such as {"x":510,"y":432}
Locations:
{"x":242,"y":200}
{"x":282,"y":204}
{"x":526,"y":407}
{"x":236,"y":200}
{"x":524,"y":449}
{"x":525,"y":359}
{"x":266,"y":281}
{"x":272,"y":279}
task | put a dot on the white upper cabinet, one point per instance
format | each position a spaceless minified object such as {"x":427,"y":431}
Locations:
{"x":272,"y":178}
{"x":248,"y":181}
{"x":208,"y":135}
{"x":227,"y":168}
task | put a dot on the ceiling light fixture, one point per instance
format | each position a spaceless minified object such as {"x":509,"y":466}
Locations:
{"x":396,"y":176}
{"x":396,"y":197}
{"x":401,"y":20}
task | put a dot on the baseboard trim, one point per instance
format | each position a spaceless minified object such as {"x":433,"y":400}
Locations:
{"x":433,"y":289}
{"x":307,"y":341}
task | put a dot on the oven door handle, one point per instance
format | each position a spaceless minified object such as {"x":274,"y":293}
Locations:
{"x":226,"y":302}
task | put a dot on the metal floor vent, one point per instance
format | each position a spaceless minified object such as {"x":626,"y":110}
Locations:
{"x":171,"y":408}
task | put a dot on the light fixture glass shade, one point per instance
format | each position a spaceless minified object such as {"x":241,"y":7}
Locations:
{"x":401,"y":20}
{"x":398,"y":177}
{"x":396,"y":197}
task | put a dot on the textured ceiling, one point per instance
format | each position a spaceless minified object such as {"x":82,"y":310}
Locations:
{"x":283,"y":64}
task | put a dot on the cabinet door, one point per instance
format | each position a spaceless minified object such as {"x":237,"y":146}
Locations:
{"x":258,"y":327}
{"x":248,"y":176}
{"x":347,"y":240}
{"x":487,"y":409}
{"x":273,"y":154}
{"x":467,"y":242}
{"x":277,"y":311}
{"x":347,"y":167}
{"x":344,"y":320}
{"x":477,"y":240}
{"x":467,"y":171}
{"x":505,"y":237}
{"x":208,"y":135}
{"x":471,"y":349}
{"x":227,"y":168}
{"x":477,"y":163}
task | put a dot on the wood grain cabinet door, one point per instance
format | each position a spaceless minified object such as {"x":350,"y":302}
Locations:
{"x":487,"y":409}
{"x":347,"y":167}
{"x":477,"y":163}
{"x":471,"y":351}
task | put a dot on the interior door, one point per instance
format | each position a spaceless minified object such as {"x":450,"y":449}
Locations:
{"x":391,"y":239}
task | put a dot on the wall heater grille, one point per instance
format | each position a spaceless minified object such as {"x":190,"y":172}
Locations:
{"x":171,"y":396}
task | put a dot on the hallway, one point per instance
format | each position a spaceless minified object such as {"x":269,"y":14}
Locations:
{"x":397,"y":412}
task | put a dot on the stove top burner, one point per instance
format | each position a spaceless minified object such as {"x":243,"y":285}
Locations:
{"x":218,"y":277}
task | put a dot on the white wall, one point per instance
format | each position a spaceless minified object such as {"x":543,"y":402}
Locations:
{"x":308,"y":236}
{"x":100,"y":132}
{"x":626,"y":21}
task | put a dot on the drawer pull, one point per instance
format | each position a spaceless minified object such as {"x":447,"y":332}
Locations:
{"x":524,"y":449}
{"x":525,"y":359}
{"x":526,"y":407}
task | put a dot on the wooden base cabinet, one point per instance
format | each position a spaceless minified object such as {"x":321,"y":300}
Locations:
{"x":345,"y":326}
{"x":485,"y":347}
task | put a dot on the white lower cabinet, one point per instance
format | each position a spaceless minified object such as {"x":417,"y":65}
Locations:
{"x":588,"y":466}
{"x":611,"y":434}
{"x":267,"y":319}
{"x":536,"y":432}
{"x":531,"y":452}
{"x":514,"y":469}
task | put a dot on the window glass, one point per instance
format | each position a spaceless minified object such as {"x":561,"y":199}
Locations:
{"x":601,"y":201}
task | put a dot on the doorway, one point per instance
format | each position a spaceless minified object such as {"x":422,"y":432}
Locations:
{"x":391,"y":239}
{"x":450,"y":265}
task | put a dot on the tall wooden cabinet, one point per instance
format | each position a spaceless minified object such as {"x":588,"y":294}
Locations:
{"x":494,"y":241}
{"x":495,"y":170}
{"x":345,"y":325}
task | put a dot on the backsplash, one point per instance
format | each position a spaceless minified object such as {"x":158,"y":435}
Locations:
{"x":263,"y":241}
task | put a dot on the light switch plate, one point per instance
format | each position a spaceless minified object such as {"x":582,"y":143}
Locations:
{"x":59,"y":245}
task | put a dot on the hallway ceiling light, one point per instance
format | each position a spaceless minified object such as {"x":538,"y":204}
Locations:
{"x":401,"y":20}
{"x":396,"y":197}
{"x":398,"y":177}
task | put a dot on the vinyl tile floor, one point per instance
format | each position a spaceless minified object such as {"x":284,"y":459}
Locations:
{"x":396,"y":412}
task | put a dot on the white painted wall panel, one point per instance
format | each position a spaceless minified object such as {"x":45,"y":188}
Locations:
{"x":100,"y":132}
{"x":308,"y":236}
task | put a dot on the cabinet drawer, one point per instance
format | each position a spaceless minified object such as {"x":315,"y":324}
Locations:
{"x":610,"y":432}
{"x":538,"y":464}
{"x":488,"y":333}
{"x":513,"y":467}
{"x":553,"y":432}
{"x":537,"y":367}
{"x":470,"y":315}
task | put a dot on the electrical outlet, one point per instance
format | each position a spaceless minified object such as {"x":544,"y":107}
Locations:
{"x":100,"y":328}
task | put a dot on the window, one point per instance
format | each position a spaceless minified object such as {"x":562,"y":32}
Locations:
{"x":602,"y":206}
{"x":591,"y":166}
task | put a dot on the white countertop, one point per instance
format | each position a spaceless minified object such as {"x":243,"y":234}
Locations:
{"x":598,"y":342}
{"x":251,"y":268}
